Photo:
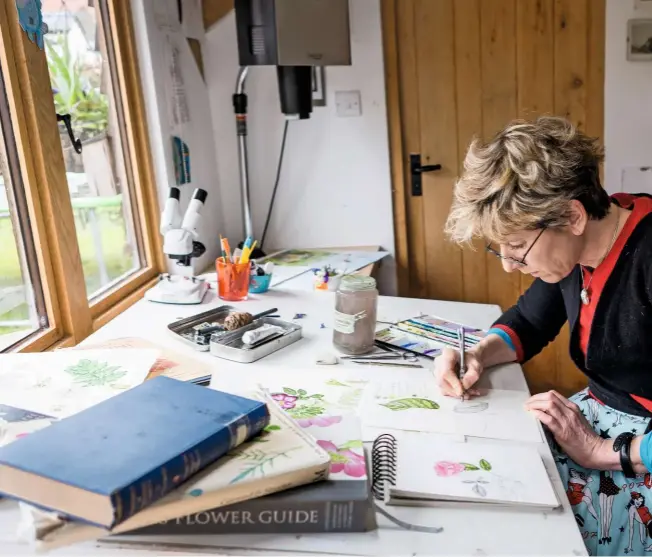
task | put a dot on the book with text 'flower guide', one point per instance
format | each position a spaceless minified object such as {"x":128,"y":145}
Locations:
{"x":421,"y":469}
{"x":285,"y":456}
{"x":341,"y":503}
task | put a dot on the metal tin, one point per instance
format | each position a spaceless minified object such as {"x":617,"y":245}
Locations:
{"x":184,"y":329}
{"x":229,"y":345}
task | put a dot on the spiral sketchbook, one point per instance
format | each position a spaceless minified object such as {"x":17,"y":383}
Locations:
{"x":418,"y":469}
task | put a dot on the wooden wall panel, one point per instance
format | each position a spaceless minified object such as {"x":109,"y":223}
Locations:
{"x":410,"y":123}
{"x":499,"y":98}
{"x":468,"y":74}
{"x":438,"y":125}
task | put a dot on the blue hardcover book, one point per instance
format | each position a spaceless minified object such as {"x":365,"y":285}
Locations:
{"x":108,"y":462}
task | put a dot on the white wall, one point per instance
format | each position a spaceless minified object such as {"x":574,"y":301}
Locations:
{"x":197,"y":133}
{"x":335,"y":187}
{"x":628,"y":102}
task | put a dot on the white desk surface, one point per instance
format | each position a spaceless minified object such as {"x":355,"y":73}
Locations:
{"x":466,"y":532}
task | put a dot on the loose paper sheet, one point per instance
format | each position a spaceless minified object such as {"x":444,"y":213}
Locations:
{"x":292,"y":263}
{"x":64,"y":382}
{"x":420,"y":406}
{"x":311,"y":397}
{"x":169,"y":363}
{"x":434,"y":467}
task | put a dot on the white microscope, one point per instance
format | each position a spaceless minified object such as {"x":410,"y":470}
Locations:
{"x":181,"y":245}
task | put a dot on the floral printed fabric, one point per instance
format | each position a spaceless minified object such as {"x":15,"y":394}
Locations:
{"x":612,"y":511}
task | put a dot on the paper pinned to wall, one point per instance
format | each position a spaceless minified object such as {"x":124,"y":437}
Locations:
{"x":178,"y":108}
{"x":636,"y":179}
{"x":192,"y":21}
{"x":166,"y":15}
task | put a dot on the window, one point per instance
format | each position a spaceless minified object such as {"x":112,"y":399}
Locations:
{"x":79,"y":238}
{"x":22,"y":311}
{"x":80,"y":67}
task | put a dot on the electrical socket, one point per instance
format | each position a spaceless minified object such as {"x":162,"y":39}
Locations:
{"x":348,"y":103}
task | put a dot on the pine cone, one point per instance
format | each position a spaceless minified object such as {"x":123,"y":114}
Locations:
{"x":237,"y":320}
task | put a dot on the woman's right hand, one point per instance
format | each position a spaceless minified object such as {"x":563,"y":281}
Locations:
{"x":447,"y":374}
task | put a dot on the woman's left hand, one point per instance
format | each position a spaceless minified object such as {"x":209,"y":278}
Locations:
{"x":569,"y":426}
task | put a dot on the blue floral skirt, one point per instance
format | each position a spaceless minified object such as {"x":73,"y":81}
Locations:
{"x":613,"y":512}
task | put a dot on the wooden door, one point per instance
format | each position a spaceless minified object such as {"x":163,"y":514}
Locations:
{"x":456,"y":69}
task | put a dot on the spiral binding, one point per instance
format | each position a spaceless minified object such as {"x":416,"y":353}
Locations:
{"x":383,"y":464}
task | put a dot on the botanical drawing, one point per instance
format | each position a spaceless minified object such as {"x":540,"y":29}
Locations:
{"x":257,"y":462}
{"x":94,"y":373}
{"x":446,"y":468}
{"x":344,"y":458}
{"x":509,"y":489}
{"x":411,"y":402}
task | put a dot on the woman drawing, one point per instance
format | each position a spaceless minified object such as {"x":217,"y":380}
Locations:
{"x":607,"y":490}
{"x":638,"y":512}
{"x":579,"y":492}
{"x":533,"y":193}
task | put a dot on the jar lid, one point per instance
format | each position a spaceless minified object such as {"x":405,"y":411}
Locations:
{"x":357,"y":283}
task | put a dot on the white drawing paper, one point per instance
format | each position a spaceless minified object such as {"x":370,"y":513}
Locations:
{"x":420,"y":406}
{"x":64,"y":382}
{"x":192,"y":21}
{"x":432,"y":467}
{"x":311,"y":397}
{"x":297,"y":265}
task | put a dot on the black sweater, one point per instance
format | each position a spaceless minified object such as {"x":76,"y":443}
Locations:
{"x":618,"y":362}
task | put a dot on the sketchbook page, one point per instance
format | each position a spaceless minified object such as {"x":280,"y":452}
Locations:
{"x":420,"y":406}
{"x":169,"y":363}
{"x":64,"y":382}
{"x":434,"y":467}
{"x":310,"y":396}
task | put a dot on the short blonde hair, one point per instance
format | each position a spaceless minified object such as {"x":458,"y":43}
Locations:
{"x":524,"y":178}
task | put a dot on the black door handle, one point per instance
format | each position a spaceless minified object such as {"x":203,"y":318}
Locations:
{"x":416,"y":170}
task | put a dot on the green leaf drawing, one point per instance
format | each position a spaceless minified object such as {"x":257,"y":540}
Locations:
{"x":93,"y":373}
{"x":485,"y":465}
{"x":355,"y":444}
{"x":259,"y":462}
{"x":302,"y":392}
{"x":289,"y":391}
{"x":306,"y":411}
{"x":316,"y":396}
{"x":407,"y":403}
{"x":335,"y":383}
{"x":468,"y":466}
{"x":272,"y":427}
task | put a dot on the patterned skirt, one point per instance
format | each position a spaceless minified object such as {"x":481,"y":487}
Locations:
{"x":613,"y":512}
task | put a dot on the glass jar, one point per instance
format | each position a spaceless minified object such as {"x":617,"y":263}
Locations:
{"x":354,"y":329}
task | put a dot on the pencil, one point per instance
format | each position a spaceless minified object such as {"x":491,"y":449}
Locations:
{"x":460,"y":332}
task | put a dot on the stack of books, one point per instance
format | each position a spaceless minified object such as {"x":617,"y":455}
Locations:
{"x":171,"y":457}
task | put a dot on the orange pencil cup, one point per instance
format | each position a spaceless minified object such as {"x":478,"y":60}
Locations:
{"x":232,"y":280}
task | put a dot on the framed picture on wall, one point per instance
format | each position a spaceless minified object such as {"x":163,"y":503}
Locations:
{"x":318,"y":86}
{"x":639,"y":40}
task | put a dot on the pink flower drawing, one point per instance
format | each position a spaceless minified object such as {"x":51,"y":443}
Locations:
{"x":444,"y":468}
{"x":286,"y":402}
{"x":319,"y":421}
{"x":344,"y":459}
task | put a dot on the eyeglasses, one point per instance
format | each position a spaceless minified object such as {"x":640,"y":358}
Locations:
{"x":520,"y":262}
